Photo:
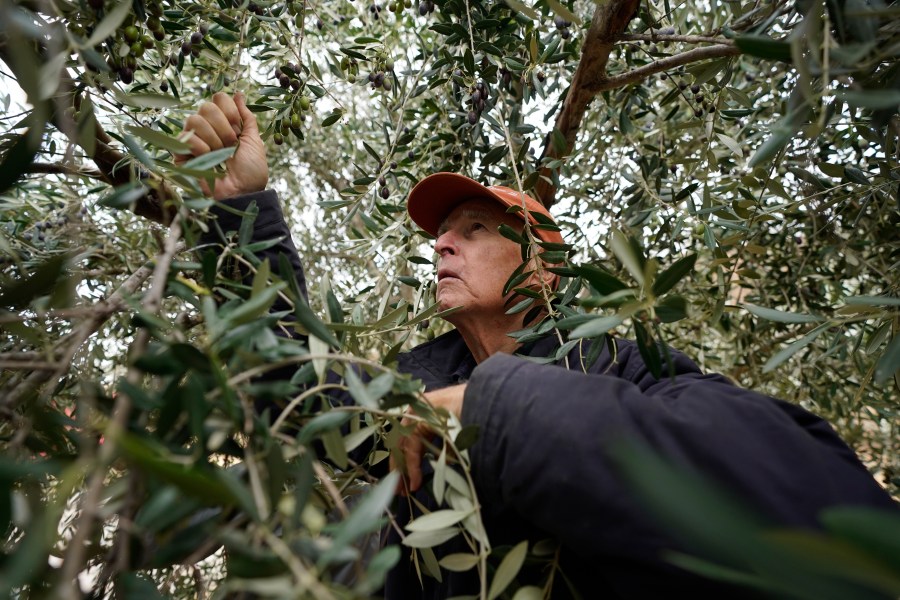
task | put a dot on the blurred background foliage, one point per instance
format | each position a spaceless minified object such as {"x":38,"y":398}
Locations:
{"x":725,"y":174}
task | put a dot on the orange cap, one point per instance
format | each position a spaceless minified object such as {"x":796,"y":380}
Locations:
{"x":433,"y":198}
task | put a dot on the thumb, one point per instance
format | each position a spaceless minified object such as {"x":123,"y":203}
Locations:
{"x":249,"y":126}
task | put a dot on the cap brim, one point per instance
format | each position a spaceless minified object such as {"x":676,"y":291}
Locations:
{"x":433,"y":198}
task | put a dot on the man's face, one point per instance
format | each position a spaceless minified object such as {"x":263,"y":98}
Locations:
{"x":474,"y":260}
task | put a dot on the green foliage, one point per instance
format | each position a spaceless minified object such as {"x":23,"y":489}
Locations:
{"x":742,"y":208}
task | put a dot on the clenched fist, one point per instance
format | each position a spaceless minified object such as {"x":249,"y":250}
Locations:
{"x":223,"y":123}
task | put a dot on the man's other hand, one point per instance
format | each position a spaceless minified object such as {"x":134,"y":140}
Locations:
{"x":223,"y":123}
{"x":413,"y":446}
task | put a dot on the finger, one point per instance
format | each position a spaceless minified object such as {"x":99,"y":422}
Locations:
{"x":401,"y":488}
{"x":203,"y":131}
{"x":197,"y":146}
{"x":249,"y":119}
{"x":413,"y":452}
{"x":219,"y":122}
{"x":230,"y":110}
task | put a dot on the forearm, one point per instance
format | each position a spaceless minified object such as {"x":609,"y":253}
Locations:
{"x":269,"y":226}
{"x":545,"y":435}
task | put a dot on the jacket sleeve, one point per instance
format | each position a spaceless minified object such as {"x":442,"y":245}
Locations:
{"x":545,"y":433}
{"x":269,"y":226}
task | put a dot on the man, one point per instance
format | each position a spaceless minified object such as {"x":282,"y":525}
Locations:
{"x":541,"y":464}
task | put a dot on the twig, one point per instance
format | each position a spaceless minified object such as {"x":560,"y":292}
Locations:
{"x":688,"y":39}
{"x":74,"y":340}
{"x":74,"y":558}
{"x":31,"y":365}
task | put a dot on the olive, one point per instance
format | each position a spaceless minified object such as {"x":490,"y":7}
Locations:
{"x":559,"y":22}
{"x":695,"y":88}
{"x":473,"y":117}
{"x":137,"y":49}
{"x":196,"y":37}
{"x":147,"y":41}
{"x":204,"y":28}
{"x":164,"y":87}
{"x":295,"y":120}
{"x":278,"y":139}
{"x":159,"y":35}
{"x":132,"y":34}
{"x":186,"y":47}
{"x":126,"y":74}
{"x":385,"y":193}
{"x":387,"y":85}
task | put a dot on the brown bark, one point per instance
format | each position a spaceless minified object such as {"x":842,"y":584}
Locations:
{"x":607,"y":27}
{"x":108,"y":159}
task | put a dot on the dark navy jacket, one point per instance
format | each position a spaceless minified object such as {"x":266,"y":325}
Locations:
{"x":542,"y":469}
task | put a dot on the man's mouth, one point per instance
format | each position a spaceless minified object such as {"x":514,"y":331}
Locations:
{"x":445,"y":273}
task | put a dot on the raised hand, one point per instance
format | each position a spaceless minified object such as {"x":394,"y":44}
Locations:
{"x":223,"y":123}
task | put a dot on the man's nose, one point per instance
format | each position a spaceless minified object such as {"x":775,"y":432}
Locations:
{"x":445,"y":244}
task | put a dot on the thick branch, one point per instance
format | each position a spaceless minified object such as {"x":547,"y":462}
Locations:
{"x":63,"y":169}
{"x":104,"y":154}
{"x":666,"y":64}
{"x":607,"y":24}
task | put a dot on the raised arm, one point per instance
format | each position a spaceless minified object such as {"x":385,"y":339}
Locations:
{"x":545,"y":435}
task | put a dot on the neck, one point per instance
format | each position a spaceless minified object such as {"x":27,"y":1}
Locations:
{"x":484,"y":338}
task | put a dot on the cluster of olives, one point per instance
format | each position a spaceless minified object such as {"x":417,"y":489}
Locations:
{"x":665,"y":31}
{"x":350,"y":68}
{"x":477,"y":98}
{"x":129,"y":43}
{"x":380,"y":76}
{"x":288,"y":76}
{"x":563,"y":26}
{"x":191,"y":44}
{"x":134,"y":38}
{"x":383,"y":190}
{"x":700,"y":103}
{"x":398,"y":5}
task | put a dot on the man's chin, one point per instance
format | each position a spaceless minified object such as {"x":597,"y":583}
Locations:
{"x":448,"y":305}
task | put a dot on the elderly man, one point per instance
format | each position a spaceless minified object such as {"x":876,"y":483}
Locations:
{"x":541,"y":464}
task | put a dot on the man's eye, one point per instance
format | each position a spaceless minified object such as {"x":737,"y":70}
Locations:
{"x":477,"y":226}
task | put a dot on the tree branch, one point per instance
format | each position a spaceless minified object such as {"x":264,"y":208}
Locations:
{"x":687,"y":39}
{"x":666,"y":64}
{"x":107,"y":158}
{"x":607,"y":26}
{"x":63,"y":169}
